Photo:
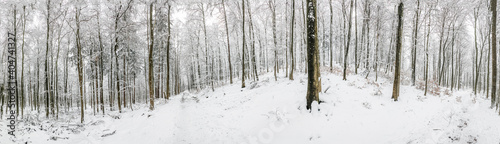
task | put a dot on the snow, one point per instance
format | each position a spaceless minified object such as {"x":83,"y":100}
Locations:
{"x":356,"y":111}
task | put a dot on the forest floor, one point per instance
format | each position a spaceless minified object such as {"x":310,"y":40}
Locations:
{"x":357,"y":111}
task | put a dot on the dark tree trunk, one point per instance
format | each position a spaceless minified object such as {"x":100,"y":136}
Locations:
{"x":292,"y":41}
{"x":493,"y":51}
{"x":395,"y":91}
{"x":151,"y":86}
{"x":312,"y":52}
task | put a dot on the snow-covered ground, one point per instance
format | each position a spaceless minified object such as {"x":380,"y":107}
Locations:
{"x":355,"y":111}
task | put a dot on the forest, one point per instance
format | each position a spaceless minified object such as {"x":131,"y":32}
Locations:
{"x":84,"y":64}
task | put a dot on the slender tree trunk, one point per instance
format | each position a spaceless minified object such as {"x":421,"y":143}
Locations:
{"x":367,"y":25}
{"x":168,"y":54}
{"x":243,"y":49}
{"x":272,"y":6}
{"x":117,"y":75}
{"x":356,"y":65}
{"x":331,"y":36}
{"x":427,"y":52}
{"x":15,"y":74}
{"x":377,"y":45}
{"x":47,"y":64}
{"x":252,"y":34}
{"x":452,"y":56}
{"x":476,"y":15}
{"x":348,"y":42}
{"x":228,"y":44}
{"x":80,"y":61}
{"x":22,"y":65}
{"x":414,"y":50}
{"x":151,"y":86}
{"x":101,"y":64}
{"x":292,"y":41}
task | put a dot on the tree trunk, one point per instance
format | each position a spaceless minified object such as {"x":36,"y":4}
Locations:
{"x":414,"y":50}
{"x":151,"y":86}
{"x":331,"y":36}
{"x":101,"y":64}
{"x":243,"y":49}
{"x":493,"y":51}
{"x":395,"y":91}
{"x":377,"y":45}
{"x":476,"y":15}
{"x":312,"y":48}
{"x":292,"y":41}
{"x":272,"y":6}
{"x":348,"y":42}
{"x":252,"y":34}
{"x":80,"y":61}
{"x":168,"y":54}
{"x":427,"y":52}
{"x":47,"y":64}
{"x":228,"y":44}
{"x":22,"y":65}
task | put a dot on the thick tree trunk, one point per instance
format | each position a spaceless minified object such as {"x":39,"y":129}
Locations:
{"x":312,"y":52}
{"x":395,"y":91}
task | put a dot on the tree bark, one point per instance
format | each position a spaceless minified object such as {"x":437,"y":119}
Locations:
{"x":168,"y":54}
{"x":395,"y":91}
{"x":493,"y":51}
{"x":291,"y":41}
{"x":151,"y":86}
{"x":47,"y":64}
{"x":312,"y":48}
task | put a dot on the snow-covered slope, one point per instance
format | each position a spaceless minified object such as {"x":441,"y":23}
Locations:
{"x":354,"y":111}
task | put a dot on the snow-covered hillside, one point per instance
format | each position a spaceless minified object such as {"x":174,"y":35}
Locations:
{"x":354,"y":111}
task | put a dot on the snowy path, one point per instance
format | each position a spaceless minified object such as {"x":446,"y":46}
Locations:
{"x":353,"y":111}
